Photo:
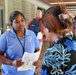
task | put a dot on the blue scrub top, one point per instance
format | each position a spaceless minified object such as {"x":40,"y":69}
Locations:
{"x":12,"y":48}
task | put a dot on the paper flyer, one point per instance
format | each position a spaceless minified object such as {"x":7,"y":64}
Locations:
{"x":29,"y":59}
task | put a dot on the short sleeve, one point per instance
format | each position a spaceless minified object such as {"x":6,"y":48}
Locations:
{"x":3,"y":43}
{"x":37,"y":42}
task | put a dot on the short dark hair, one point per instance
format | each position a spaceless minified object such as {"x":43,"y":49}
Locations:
{"x":14,"y":14}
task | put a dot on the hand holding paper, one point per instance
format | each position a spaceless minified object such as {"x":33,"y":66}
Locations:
{"x":29,"y":59}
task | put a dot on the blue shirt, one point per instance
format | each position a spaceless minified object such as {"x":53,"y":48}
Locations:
{"x":12,"y":48}
{"x":60,"y":57}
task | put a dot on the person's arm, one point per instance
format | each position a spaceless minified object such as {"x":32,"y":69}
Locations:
{"x":29,"y":25}
{"x":4,"y":60}
{"x":41,"y":27}
{"x":3,"y":49}
{"x":36,"y":63}
{"x":37,"y":48}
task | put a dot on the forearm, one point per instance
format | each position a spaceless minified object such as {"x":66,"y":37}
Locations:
{"x":4,"y":60}
{"x":17,"y":63}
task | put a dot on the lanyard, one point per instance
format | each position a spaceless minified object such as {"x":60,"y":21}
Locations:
{"x":23,"y":46}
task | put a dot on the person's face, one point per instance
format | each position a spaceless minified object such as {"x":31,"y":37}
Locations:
{"x":39,"y":14}
{"x":46,"y":32}
{"x":18,"y":23}
{"x":49,"y":35}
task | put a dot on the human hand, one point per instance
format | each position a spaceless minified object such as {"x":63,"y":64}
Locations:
{"x":36,"y":63}
{"x":17,"y":63}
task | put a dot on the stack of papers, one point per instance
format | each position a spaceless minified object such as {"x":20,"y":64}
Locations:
{"x":29,"y":59}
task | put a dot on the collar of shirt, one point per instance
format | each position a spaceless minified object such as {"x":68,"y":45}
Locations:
{"x":68,"y":34}
{"x":12,"y":34}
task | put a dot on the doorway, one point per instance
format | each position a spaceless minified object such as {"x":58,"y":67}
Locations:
{"x":1,"y":21}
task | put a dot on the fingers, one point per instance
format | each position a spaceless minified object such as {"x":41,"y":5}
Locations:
{"x":36,"y":63}
{"x":17,"y":63}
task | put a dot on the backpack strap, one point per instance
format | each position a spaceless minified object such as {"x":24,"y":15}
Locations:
{"x":35,"y":26}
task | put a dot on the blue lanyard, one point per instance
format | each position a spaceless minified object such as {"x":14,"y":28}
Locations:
{"x":23,"y":46}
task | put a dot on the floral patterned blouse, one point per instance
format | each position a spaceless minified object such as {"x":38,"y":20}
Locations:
{"x":60,"y":58}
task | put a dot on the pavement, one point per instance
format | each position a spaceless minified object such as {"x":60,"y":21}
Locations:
{"x":44,"y":47}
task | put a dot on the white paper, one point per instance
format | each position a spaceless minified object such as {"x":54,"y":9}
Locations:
{"x":39,"y":35}
{"x":29,"y":59}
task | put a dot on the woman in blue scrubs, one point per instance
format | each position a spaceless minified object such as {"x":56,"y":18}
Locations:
{"x":14,"y":43}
